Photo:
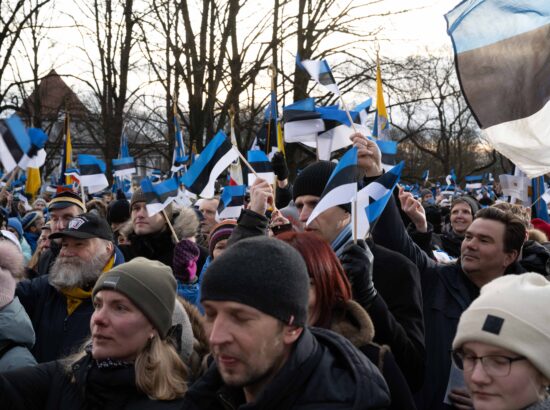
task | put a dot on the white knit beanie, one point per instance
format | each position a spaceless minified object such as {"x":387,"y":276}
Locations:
{"x":511,"y":312}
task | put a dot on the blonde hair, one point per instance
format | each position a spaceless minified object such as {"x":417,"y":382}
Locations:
{"x":160,"y":372}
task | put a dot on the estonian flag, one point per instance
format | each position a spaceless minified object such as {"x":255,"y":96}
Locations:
{"x":473,"y":182}
{"x":362,"y":111}
{"x":341,"y":187}
{"x":159,"y":196}
{"x":337,"y":132}
{"x":388,"y":149}
{"x":36,"y":156}
{"x":14,"y":142}
{"x":302,"y":122}
{"x":502,"y":54}
{"x":320,"y":72}
{"x":124,"y":166}
{"x":372,"y":199}
{"x":179,"y":159}
{"x":214,"y":159}
{"x":92,"y":173}
{"x":260,"y":162}
{"x":231,"y":202}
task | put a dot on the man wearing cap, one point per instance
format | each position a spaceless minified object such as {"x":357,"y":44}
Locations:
{"x":59,"y":304}
{"x":63,"y":207}
{"x":264,"y":355}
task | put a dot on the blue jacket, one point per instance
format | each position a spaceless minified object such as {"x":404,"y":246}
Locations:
{"x":16,"y":337}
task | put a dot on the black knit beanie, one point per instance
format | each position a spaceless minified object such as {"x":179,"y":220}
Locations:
{"x":150,"y":285}
{"x":118,"y":211}
{"x":264,"y":273}
{"x":313,"y":179}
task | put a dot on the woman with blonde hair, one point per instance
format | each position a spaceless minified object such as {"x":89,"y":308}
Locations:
{"x":131,"y":361}
{"x":502,"y":344}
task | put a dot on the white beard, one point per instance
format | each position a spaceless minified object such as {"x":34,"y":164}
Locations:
{"x":73,"y":272}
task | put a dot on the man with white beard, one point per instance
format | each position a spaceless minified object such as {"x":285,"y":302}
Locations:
{"x":60,"y":304}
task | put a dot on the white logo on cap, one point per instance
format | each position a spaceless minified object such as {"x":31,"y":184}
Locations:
{"x":76,"y":223}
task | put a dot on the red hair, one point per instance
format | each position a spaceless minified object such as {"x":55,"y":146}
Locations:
{"x":332,"y":287}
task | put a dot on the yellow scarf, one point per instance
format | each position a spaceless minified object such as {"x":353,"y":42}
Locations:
{"x":75,"y":296}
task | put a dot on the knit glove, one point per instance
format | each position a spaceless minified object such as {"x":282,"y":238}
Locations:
{"x":280,"y":168}
{"x":184,"y":262}
{"x":7,"y":287}
{"x":357,"y":260}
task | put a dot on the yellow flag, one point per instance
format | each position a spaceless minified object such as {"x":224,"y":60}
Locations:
{"x":33,"y":181}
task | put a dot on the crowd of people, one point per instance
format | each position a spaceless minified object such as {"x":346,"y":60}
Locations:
{"x":443,"y":305}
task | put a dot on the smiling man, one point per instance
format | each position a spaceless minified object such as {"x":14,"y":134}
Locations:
{"x":491,"y":246}
{"x":264,"y":355}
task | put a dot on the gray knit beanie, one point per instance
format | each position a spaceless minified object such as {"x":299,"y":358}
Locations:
{"x":264,"y":273}
{"x":150,"y":285}
{"x":313,"y":179}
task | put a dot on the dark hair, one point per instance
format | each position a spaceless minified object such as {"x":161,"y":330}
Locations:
{"x":332,"y":287}
{"x":515,"y":231}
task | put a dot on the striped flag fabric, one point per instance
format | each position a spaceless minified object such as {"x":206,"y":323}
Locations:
{"x":361,"y":111}
{"x":92,"y":173}
{"x":124,"y":166}
{"x":372,"y":199}
{"x":302,"y":122}
{"x":320,"y":72}
{"x":341,"y":187}
{"x":159,"y":196}
{"x":270,"y":136}
{"x":214,"y":159}
{"x":540,"y":206}
{"x":261,"y":164}
{"x":14,"y":142}
{"x":502,"y":61}
{"x":36,"y":157}
{"x":231,"y":202}
{"x":179,"y":158}
{"x":473,"y":182}
{"x":388,"y":149}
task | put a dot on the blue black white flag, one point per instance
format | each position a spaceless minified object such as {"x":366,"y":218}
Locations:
{"x":320,"y":72}
{"x":159,"y":196}
{"x":261,"y":164}
{"x":372,"y":199}
{"x":14,"y":142}
{"x":92,"y":173}
{"x":231,"y":202}
{"x":341,"y":187}
{"x":213,"y":160}
{"x":302,"y":122}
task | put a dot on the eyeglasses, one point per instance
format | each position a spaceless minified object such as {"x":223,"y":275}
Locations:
{"x":494,"y":365}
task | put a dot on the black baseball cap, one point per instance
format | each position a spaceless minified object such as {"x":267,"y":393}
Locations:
{"x":85,"y":226}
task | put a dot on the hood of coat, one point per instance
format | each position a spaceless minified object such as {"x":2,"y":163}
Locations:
{"x":354,"y":323}
{"x":15,"y":325}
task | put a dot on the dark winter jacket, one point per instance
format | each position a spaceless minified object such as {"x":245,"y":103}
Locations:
{"x":535,"y":257}
{"x":156,"y":246}
{"x":397,"y":310}
{"x":16,"y":337}
{"x":324,"y":371}
{"x":82,"y":386}
{"x":446,"y":293}
{"x":354,"y":323}
{"x":57,"y":333}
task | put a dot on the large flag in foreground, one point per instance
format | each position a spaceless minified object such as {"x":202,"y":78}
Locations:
{"x":341,"y":187}
{"x":503,"y":63}
{"x":213,"y":160}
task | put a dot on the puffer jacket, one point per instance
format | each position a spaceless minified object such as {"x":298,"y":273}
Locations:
{"x":16,"y":337}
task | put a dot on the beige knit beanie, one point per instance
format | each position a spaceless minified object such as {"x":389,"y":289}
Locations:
{"x":511,"y":312}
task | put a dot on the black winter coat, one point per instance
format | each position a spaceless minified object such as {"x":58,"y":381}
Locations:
{"x":446,"y":293}
{"x":156,"y":246}
{"x":51,"y":386}
{"x":324,"y":371}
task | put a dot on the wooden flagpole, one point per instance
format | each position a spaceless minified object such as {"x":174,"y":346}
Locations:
{"x":174,"y":235}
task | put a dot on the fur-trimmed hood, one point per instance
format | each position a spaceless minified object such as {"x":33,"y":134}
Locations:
{"x":354,"y":323}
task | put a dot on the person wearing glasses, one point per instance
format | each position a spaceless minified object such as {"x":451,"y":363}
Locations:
{"x":502,"y":345}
